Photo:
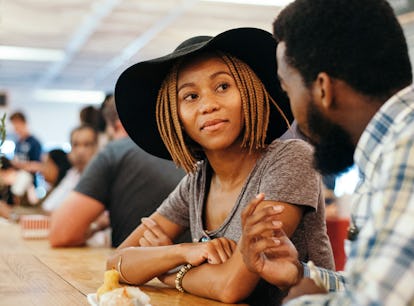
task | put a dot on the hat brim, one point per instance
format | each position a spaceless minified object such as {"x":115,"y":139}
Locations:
{"x":137,"y":88}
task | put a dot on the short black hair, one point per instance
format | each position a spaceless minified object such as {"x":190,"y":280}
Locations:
{"x":61,"y":160}
{"x":18,"y":116}
{"x":359,"y":42}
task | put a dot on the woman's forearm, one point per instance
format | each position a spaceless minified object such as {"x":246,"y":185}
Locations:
{"x":138,"y":265}
{"x":229,"y":282}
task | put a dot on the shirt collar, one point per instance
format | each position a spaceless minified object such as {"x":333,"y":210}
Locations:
{"x":370,"y":143}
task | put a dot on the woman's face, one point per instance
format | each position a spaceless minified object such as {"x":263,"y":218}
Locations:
{"x":209,"y":103}
{"x":49,"y":170}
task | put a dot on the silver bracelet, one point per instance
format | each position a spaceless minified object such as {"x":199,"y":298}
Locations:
{"x":118,"y":268}
{"x":179,"y":277}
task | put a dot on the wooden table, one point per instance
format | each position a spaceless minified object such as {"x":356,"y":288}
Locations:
{"x":32,"y":273}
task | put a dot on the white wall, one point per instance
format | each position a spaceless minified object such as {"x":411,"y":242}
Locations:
{"x":50,"y":122}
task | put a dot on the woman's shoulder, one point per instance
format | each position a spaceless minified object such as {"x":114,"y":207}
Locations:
{"x":289,"y":146}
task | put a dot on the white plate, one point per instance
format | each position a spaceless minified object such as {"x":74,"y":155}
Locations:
{"x":92,"y":299}
{"x":142,"y":299}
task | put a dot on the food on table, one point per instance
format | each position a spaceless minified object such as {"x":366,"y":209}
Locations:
{"x":125,"y":296}
{"x":111,"y":282}
{"x":111,"y":293}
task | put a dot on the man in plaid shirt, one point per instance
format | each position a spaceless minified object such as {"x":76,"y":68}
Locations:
{"x":345,"y":66}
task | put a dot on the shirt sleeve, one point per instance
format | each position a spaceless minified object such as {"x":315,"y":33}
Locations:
{"x":95,"y":181}
{"x":333,"y":281}
{"x":290,"y":176}
{"x":176,"y":206}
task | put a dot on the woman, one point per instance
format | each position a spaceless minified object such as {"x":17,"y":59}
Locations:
{"x":212,"y":103}
{"x":54,"y":167}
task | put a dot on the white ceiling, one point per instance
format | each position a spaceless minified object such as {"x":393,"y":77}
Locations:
{"x":100,"y":38}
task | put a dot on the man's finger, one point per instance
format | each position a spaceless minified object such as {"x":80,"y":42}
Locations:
{"x":251,"y":207}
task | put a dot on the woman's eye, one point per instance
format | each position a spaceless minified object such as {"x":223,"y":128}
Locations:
{"x":190,"y":97}
{"x":223,"y":87}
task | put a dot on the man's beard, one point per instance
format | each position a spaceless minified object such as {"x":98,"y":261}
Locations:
{"x":334,"y":149}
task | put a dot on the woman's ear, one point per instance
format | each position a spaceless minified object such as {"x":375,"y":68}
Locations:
{"x":323,"y":90}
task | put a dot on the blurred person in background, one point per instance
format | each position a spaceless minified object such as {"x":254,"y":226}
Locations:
{"x":123,"y":180}
{"x":93,"y":116}
{"x":6,"y":195}
{"x":16,"y":185}
{"x":84,"y":143}
{"x":53,"y":167}
{"x":28,"y":147}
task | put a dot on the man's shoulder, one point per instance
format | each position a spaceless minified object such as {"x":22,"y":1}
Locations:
{"x":119,"y":147}
{"x":33,"y":141}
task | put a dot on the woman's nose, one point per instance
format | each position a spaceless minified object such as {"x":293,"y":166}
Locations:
{"x":208,"y":104}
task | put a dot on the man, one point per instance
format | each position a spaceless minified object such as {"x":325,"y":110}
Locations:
{"x":124,"y":180}
{"x":28,"y":147}
{"x":344,"y":65}
{"x":84,"y":143}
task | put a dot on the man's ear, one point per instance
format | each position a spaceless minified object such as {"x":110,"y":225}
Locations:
{"x":323,"y":90}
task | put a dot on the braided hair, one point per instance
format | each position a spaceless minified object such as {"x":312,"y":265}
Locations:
{"x":255,"y":104}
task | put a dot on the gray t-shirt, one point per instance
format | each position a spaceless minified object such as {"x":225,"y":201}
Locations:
{"x":129,"y":182}
{"x":284,"y":173}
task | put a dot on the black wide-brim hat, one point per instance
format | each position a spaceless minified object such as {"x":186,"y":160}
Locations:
{"x":137,"y":88}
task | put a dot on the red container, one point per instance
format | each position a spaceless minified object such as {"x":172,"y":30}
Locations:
{"x":337,"y":229}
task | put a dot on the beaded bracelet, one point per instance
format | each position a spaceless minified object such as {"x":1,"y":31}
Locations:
{"x":179,"y":277}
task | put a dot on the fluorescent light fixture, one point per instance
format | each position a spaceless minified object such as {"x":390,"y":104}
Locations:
{"x":70,"y":96}
{"x":30,"y":54}
{"x":256,"y":2}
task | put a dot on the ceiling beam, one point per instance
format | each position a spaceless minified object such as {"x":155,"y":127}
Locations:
{"x":100,"y":9}
{"x":133,"y":48}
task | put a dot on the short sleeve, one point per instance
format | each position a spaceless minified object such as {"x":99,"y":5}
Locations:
{"x":176,"y":206}
{"x":289,"y":175}
{"x":95,"y":181}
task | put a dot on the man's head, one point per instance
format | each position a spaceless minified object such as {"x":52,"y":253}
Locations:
{"x":84,"y":142}
{"x":114,"y":127}
{"x":339,"y":61}
{"x":18,"y":120}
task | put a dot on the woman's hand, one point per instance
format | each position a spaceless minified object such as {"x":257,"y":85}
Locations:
{"x":265,"y":247}
{"x":215,"y":251}
{"x":153,"y":234}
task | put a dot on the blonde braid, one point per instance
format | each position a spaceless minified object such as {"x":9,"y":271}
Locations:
{"x":169,"y":124}
{"x":252,"y":92}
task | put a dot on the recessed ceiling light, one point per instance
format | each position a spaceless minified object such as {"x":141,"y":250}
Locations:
{"x":69,"y":96}
{"x":256,"y":2}
{"x":30,"y":54}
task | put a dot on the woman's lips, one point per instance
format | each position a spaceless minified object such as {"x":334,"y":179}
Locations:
{"x":213,"y":125}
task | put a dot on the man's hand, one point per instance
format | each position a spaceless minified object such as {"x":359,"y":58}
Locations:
{"x":5,"y":210}
{"x":265,"y":247}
